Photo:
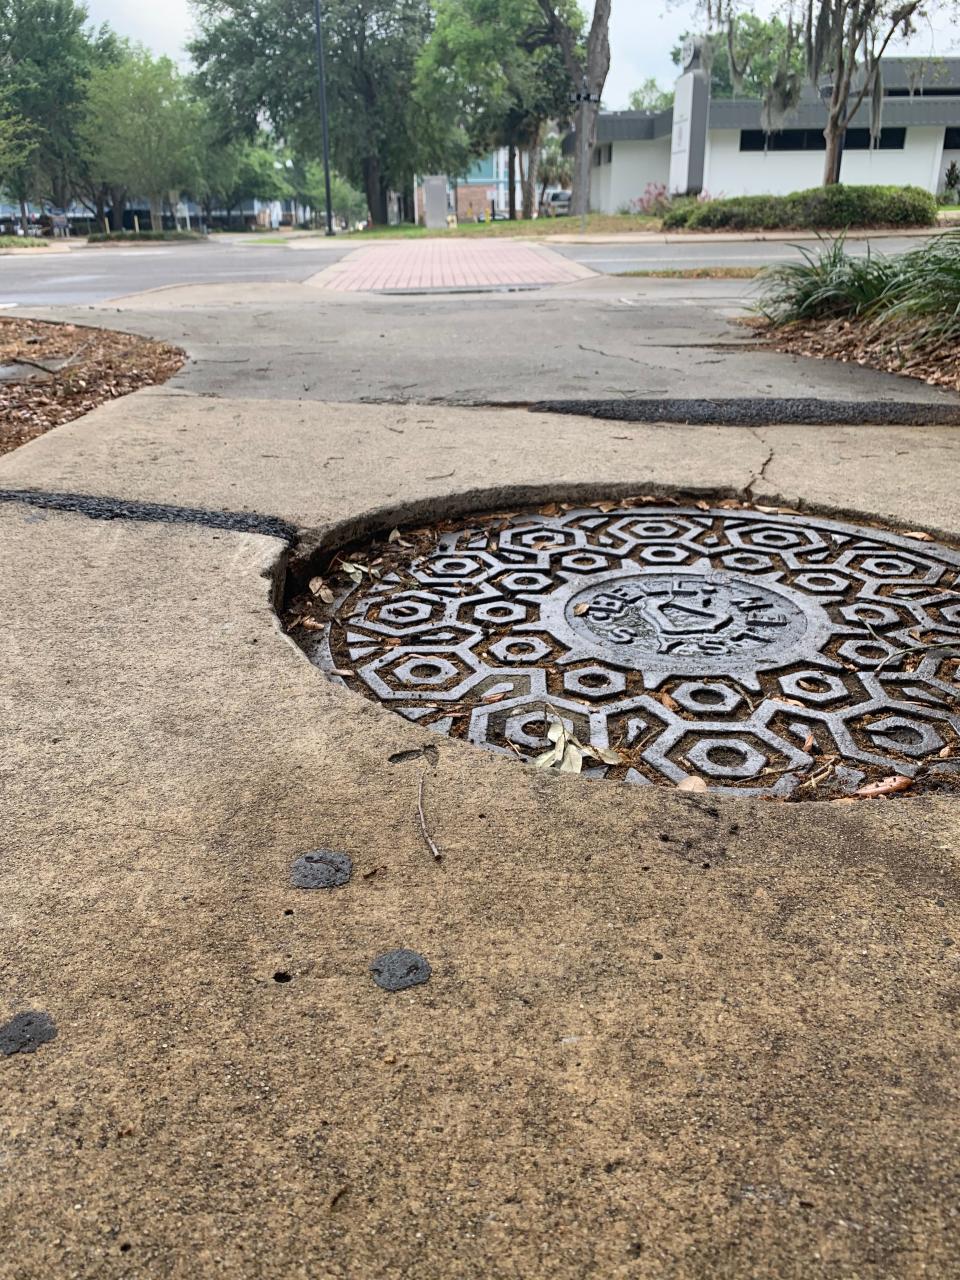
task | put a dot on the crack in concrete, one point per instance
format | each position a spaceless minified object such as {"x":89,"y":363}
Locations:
{"x":762,"y":474}
{"x":610,"y":355}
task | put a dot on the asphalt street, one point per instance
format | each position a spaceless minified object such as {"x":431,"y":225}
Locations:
{"x":97,"y":274}
{"x":613,"y":259}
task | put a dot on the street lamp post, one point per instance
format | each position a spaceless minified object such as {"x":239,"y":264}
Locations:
{"x":322,"y":81}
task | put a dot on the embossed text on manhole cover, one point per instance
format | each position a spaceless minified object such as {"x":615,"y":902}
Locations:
{"x":766,"y":653}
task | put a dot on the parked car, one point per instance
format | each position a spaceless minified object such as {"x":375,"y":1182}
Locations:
{"x":556,"y":204}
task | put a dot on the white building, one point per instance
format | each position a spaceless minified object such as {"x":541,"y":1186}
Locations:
{"x":717,"y":146}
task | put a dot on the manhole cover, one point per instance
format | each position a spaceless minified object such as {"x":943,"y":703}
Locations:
{"x":765,"y":653}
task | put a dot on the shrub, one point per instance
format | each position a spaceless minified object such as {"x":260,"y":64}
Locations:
{"x":821,"y":208}
{"x":915,"y":293}
{"x":654,"y":202}
{"x":102,"y":237}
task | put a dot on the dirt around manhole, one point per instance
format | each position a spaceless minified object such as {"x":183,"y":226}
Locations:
{"x":52,"y":373}
{"x":755,"y":652}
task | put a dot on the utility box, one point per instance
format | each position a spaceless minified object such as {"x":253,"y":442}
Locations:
{"x":435,"y":202}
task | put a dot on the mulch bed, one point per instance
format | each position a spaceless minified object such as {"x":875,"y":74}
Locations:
{"x":52,"y":373}
{"x":874,"y":344}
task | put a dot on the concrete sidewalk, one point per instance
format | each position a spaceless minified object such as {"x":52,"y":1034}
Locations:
{"x":664,"y":1036}
{"x":597,"y":338}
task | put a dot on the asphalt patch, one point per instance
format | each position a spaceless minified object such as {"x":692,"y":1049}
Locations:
{"x":761,"y":411}
{"x":397,"y":970}
{"x":26,"y":1032}
{"x":104,"y":508}
{"x":321,"y":869}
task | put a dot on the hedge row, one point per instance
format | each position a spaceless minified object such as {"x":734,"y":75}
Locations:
{"x":101,"y":237}
{"x":821,"y":208}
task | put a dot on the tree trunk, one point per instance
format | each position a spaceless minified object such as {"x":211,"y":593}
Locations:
{"x":832,"y":155}
{"x":23,"y":215}
{"x":530,"y":181}
{"x":595,"y":75}
{"x":118,"y":203}
{"x":583,"y":160}
{"x":512,"y":181}
{"x":156,"y":213}
{"x":373,"y":189}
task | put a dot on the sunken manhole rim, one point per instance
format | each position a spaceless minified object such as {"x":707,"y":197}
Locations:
{"x":856,"y":718}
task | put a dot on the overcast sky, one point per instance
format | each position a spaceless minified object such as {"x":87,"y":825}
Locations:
{"x":642,"y":32}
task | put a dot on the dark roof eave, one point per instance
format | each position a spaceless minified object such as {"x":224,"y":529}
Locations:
{"x":744,"y":113}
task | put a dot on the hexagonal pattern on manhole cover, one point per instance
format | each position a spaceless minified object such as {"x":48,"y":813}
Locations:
{"x":765,"y":653}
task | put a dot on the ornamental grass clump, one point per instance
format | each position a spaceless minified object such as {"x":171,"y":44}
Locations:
{"x":900,"y":313}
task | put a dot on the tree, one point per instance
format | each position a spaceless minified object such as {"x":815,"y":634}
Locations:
{"x":493,"y":67}
{"x":44,"y":63}
{"x":845,"y":40}
{"x":556,"y":168}
{"x":142,"y":129}
{"x":760,"y":46}
{"x":587,"y":67}
{"x":17,"y":141}
{"x":230,"y":172}
{"x":650,"y":97}
{"x":257,"y":58}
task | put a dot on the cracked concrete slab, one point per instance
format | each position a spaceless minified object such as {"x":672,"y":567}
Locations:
{"x":309,"y":464}
{"x":663,"y":1035}
{"x":603,"y":338}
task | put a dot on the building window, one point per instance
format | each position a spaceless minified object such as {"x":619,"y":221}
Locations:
{"x":950,"y":92}
{"x":890,"y":140}
{"x":813,"y":140}
{"x":785,"y":140}
{"x":603,"y":154}
{"x":951,"y":139}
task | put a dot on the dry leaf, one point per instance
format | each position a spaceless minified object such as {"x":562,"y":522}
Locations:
{"x":670,"y":703}
{"x":581,"y":608}
{"x":790,"y":702}
{"x":885,"y":787}
{"x":693,"y":783}
{"x":809,"y":744}
{"x":394,"y":535}
{"x":919,"y":535}
{"x":944,"y":752}
{"x":702,"y":506}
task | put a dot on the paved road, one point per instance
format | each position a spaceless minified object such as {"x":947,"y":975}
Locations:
{"x":97,"y":274}
{"x":611,"y":259}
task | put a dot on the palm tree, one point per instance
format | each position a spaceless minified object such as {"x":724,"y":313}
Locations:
{"x":555,"y":169}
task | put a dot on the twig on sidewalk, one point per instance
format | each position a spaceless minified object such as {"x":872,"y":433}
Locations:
{"x":437,"y":855}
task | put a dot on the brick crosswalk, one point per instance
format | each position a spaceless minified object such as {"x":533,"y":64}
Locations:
{"x":448,"y":264}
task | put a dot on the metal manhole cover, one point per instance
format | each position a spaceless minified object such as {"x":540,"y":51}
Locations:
{"x":765,"y":653}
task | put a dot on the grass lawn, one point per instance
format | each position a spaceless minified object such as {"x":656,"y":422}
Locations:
{"x":597,"y":224}
{"x":699,"y":273}
{"x":22,"y":242}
